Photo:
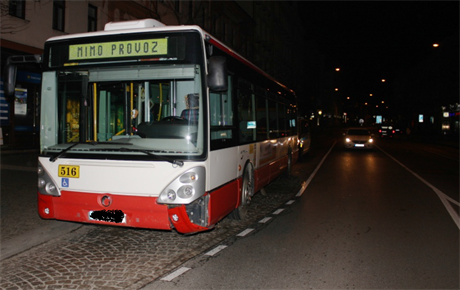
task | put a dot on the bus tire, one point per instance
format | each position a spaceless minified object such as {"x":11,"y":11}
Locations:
{"x":247,"y":191}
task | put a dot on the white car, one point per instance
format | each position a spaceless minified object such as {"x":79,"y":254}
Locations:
{"x":358,"y":138}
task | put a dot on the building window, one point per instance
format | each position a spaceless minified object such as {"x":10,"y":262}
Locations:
{"x":58,"y":14}
{"x":177,"y":5}
{"x":92,"y":18}
{"x":17,"y":8}
{"x":204,"y":23}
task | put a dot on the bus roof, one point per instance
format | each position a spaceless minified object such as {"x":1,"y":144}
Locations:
{"x":152,"y":25}
{"x":127,"y":31}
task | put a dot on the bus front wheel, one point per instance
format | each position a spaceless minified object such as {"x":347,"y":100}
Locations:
{"x":247,"y":191}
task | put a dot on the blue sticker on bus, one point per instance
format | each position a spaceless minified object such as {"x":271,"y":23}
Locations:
{"x":65,"y":182}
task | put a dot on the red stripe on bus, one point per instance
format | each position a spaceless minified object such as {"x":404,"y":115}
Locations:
{"x":141,"y":212}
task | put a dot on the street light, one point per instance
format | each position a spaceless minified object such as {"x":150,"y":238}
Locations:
{"x":337,"y":69}
{"x":435,"y":44}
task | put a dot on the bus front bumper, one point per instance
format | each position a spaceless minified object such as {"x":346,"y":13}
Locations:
{"x":117,"y":210}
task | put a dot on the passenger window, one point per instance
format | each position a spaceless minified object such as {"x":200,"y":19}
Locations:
{"x":272,"y":116}
{"x":246,"y":116}
{"x":221,"y":108}
{"x":262,"y":120}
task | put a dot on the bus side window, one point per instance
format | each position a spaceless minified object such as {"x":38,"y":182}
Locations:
{"x":221,"y":118}
{"x":283,"y":122}
{"x":262,"y":118}
{"x":246,"y":116}
{"x":273,"y":119}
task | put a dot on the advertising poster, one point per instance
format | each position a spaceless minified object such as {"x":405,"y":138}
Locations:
{"x":20,"y":102}
{"x":4,"y":108}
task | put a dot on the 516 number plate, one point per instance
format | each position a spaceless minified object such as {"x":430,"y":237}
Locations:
{"x":72,"y":171}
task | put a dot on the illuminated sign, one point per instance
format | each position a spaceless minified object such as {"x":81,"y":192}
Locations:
{"x":251,"y":125}
{"x":143,"y":47}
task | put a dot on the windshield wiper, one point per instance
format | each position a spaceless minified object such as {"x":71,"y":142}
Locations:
{"x":172,"y":161}
{"x":52,"y":159}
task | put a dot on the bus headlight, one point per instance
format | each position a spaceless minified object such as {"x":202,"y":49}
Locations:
{"x":45,"y":184}
{"x":50,"y":188}
{"x":185,"y":189}
{"x":170,"y":196}
{"x":41,"y":183}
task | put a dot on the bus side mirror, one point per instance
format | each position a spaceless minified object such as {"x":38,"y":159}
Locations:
{"x":217,"y":74}
{"x":9,"y":80}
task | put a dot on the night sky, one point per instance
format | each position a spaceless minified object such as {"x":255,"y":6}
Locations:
{"x":371,"y":40}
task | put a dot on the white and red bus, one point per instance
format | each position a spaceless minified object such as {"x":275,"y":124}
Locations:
{"x":161,"y":127}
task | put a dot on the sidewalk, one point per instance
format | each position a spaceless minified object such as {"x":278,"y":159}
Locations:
{"x":440,"y":140}
{"x":10,"y":151}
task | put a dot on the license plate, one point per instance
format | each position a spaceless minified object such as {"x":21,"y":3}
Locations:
{"x":72,"y":171}
{"x":111,"y":216}
{"x":359,"y":145}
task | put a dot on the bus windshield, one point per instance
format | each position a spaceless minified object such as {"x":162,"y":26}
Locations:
{"x":157,"y":109}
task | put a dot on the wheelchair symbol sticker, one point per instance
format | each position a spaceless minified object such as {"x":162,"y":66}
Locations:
{"x":65,"y":182}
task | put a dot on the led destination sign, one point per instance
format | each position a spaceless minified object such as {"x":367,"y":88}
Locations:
{"x":143,"y":47}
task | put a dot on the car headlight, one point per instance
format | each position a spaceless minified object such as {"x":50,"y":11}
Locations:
{"x":347,"y":140}
{"x":371,"y":140}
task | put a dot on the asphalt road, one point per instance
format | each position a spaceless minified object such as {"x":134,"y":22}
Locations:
{"x":386,"y":218}
{"x":365,"y":221}
{"x":43,"y":254}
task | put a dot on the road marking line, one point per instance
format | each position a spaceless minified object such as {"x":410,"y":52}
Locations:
{"x":442,"y":196}
{"x":452,"y":200}
{"x":216,"y":250}
{"x":175,"y":274}
{"x":302,"y":189}
{"x":244,"y":233}
{"x":264,"y":220}
{"x":278,"y":211}
{"x":290,"y":202}
{"x":306,"y":183}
